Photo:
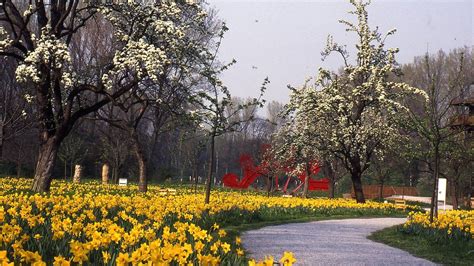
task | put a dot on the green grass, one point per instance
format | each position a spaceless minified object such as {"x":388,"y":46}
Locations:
{"x":459,"y":252}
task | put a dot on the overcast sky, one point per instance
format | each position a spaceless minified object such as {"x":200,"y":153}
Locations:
{"x":283,"y":39}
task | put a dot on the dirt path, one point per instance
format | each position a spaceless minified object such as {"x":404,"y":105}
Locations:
{"x":331,"y":242}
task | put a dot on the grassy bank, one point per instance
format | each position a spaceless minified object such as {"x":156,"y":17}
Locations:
{"x":459,"y":252}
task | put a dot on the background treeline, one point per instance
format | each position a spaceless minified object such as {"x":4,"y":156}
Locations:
{"x":178,"y":151}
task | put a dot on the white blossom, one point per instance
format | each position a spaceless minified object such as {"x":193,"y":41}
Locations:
{"x":49,"y":51}
{"x":5,"y":40}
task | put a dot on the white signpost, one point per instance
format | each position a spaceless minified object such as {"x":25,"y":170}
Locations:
{"x":123,"y":182}
{"x":442,"y":191}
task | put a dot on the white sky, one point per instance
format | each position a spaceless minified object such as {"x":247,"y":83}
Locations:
{"x":283,"y":39}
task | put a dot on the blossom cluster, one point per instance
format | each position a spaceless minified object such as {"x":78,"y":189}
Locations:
{"x":50,"y":52}
{"x":5,"y":41}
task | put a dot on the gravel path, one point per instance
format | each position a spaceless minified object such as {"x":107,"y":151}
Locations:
{"x":331,"y":242}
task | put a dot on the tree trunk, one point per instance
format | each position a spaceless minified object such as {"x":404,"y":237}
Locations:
{"x":381,"y":189}
{"x":269,"y":185}
{"x":142,"y":179}
{"x":45,"y":164}
{"x":141,"y":159}
{"x":71,"y":168}
{"x":2,"y":134}
{"x":331,"y":173}
{"x":434,"y":198}
{"x":357,"y":185}
{"x":105,"y":174}
{"x":211,"y":168}
{"x":65,"y":169}
{"x":454,"y":194}
{"x":18,"y":160}
{"x":77,"y":173}
{"x":306,"y":180}
{"x":18,"y":168}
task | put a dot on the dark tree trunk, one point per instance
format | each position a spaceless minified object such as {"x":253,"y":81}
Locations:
{"x":71,"y":168}
{"x":331,"y":173}
{"x":44,"y":167}
{"x":381,"y":188}
{"x":18,"y":169}
{"x":195,"y":176}
{"x":141,"y":159}
{"x":209,"y":178}
{"x":268,"y":179}
{"x":455,"y":194}
{"x":2,"y":136}
{"x":65,"y":169}
{"x":434,"y":198}
{"x":357,"y":185}
{"x":19,"y":160}
{"x":306,"y":181}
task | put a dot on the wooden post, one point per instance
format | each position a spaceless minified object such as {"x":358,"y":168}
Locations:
{"x":105,"y":174}
{"x":77,"y":173}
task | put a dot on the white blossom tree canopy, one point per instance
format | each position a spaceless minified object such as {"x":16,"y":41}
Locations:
{"x":40,"y":35}
{"x":353,"y":115}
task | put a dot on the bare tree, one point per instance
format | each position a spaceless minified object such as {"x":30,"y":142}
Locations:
{"x":15,"y":113}
{"x":443,"y":78}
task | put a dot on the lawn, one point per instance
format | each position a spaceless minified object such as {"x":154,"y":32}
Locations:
{"x":458,"y":252}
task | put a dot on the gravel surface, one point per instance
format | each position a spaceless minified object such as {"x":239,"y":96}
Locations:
{"x":331,"y":242}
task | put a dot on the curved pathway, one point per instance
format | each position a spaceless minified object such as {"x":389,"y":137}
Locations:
{"x":331,"y":242}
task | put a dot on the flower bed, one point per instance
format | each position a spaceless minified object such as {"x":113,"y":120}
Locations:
{"x":109,"y":224}
{"x":452,"y":225}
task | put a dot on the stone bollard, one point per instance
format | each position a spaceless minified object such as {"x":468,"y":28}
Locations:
{"x":77,"y":174}
{"x":105,"y":174}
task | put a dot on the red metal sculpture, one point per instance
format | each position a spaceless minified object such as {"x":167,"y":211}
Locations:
{"x":252,"y":172}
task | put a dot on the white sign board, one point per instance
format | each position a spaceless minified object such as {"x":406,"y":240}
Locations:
{"x":122,"y":181}
{"x":442,"y":189}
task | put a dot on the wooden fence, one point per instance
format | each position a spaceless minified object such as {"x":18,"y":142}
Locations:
{"x":373,"y":191}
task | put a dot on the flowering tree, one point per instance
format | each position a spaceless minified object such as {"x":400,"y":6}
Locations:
{"x":39,"y":36}
{"x":293,"y":147}
{"x":353,"y":115}
{"x":165,"y":97}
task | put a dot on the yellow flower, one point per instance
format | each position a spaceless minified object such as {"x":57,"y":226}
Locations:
{"x":240,"y":252}
{"x":238,"y":240}
{"x":30,"y":257}
{"x":122,"y":259}
{"x":225,"y":247}
{"x":214,"y":248}
{"x":60,"y":261}
{"x":268,"y":261}
{"x":222,"y":233}
{"x":4,"y":259}
{"x":288,"y":259}
{"x":105,"y":256}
